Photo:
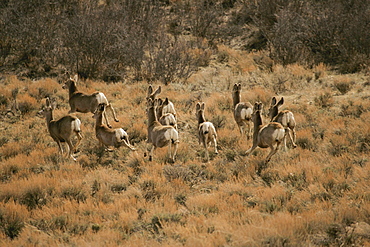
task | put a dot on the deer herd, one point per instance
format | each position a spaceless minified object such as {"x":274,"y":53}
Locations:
{"x":162,"y":123}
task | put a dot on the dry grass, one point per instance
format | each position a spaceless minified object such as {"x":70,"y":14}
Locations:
{"x":314,"y":195}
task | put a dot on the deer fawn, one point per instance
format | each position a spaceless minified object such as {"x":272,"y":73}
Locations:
{"x":84,"y":103}
{"x":269,"y":135}
{"x":285,"y":118}
{"x":109,"y":137}
{"x":206,"y":130}
{"x":242,"y":111}
{"x":160,"y":135}
{"x":61,"y":130}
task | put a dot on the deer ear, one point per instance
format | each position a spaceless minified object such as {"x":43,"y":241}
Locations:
{"x":273,"y":101}
{"x":198,"y":106}
{"x":202,"y":106}
{"x":281,"y":101}
{"x":159,"y":90}
{"x":160,"y":101}
{"x":150,"y":90}
{"x":166,"y":101}
{"x":48,"y":102}
{"x":75,"y":78}
{"x":54,"y":104}
{"x":239,"y":86}
{"x":235,"y":87}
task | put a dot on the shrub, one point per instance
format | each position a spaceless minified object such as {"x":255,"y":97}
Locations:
{"x":11,"y":220}
{"x":33,"y":198}
{"x":324,"y":100}
{"x":343,"y":86}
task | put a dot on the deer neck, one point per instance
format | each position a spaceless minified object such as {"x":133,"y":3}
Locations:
{"x":152,"y":117}
{"x":274,"y":112}
{"x":72,"y":88}
{"x":49,"y":118}
{"x":236,"y":98}
{"x":159,"y":112}
{"x":257,"y":122}
{"x":99,"y":120}
{"x":201,"y":118}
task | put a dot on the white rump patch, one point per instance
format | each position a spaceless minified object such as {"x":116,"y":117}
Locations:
{"x":171,"y":134}
{"x":169,"y":109}
{"x":246,"y":113}
{"x":279,"y":134}
{"x":101,"y":98}
{"x":76,"y":125}
{"x":120,"y":133}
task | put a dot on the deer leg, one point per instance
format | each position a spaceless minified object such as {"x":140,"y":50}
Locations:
{"x":79,"y":137}
{"x":287,"y":132}
{"x":113,"y":112}
{"x":272,"y":152}
{"x":249,"y":130}
{"x":106,"y":119}
{"x":205,"y":142}
{"x":215,"y":143}
{"x":294,"y":138}
{"x":175,"y":151}
{"x":241,"y":130}
{"x":151,"y":153}
{"x":70,"y":151}
{"x":249,"y":151}
{"x":60,"y":147}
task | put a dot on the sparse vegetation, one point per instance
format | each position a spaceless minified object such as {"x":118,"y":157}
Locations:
{"x":314,"y":195}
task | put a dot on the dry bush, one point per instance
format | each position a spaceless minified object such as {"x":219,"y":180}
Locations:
{"x":12,"y":219}
{"x":343,"y":85}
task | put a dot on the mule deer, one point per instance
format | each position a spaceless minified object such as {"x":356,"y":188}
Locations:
{"x":165,"y":118}
{"x":269,"y":135}
{"x":206,"y":130}
{"x":84,"y":103}
{"x":242,"y":111}
{"x":160,"y":135}
{"x":109,"y":137}
{"x":285,"y":118}
{"x":61,"y":130}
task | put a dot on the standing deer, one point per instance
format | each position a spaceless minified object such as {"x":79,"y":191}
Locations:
{"x":84,"y":103}
{"x":206,"y":130}
{"x":285,"y":118}
{"x":269,"y":135}
{"x":109,"y":137}
{"x":61,"y":130}
{"x":242,"y":111}
{"x":160,"y":135}
{"x":165,"y":118}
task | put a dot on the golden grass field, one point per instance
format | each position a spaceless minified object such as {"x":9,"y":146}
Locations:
{"x":315,"y":195}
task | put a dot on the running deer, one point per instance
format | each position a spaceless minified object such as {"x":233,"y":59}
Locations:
{"x":285,"y":118}
{"x":206,"y":130}
{"x":61,"y":130}
{"x":165,"y":118}
{"x":109,"y":137}
{"x":269,"y":135}
{"x":160,"y":135}
{"x":85,"y":103}
{"x":242,"y":112}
